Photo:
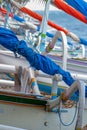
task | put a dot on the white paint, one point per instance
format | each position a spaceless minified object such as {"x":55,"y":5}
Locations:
{"x":36,"y":5}
{"x":6,"y":127}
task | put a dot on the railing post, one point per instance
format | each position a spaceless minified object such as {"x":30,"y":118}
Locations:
{"x":56,"y":78}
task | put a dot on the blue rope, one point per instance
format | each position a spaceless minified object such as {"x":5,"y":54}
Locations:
{"x":61,"y":121}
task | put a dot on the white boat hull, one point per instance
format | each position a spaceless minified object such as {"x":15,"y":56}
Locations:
{"x":31,"y":118}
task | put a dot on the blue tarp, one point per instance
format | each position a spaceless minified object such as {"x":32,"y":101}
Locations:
{"x":18,"y":18}
{"x":82,"y":41}
{"x":80,"y":5}
{"x":9,"y":40}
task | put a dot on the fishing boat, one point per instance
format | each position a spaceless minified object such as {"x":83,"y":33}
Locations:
{"x":38,"y":90}
{"x":21,"y":106}
{"x":23,"y":103}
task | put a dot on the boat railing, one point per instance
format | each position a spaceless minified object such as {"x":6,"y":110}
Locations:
{"x":62,"y":35}
{"x":77,"y":85}
{"x":77,"y":39}
{"x":24,"y":79}
{"x":83,"y":51}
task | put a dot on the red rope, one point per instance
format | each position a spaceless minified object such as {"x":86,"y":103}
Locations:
{"x":4,"y":11}
{"x":39,"y":17}
{"x":70,"y":10}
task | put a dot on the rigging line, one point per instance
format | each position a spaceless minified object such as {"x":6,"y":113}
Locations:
{"x":52,"y":24}
{"x":37,"y":16}
{"x":61,"y":121}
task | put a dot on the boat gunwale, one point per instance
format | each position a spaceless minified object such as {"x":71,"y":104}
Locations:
{"x":21,"y":98}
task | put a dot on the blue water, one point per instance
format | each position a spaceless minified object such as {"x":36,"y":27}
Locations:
{"x":68,"y":22}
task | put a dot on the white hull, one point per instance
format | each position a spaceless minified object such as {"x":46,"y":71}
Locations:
{"x":31,"y":118}
{"x":79,"y":66}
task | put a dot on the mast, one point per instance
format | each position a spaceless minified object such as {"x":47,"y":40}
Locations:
{"x":44,"y":26}
{"x":7,"y":15}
